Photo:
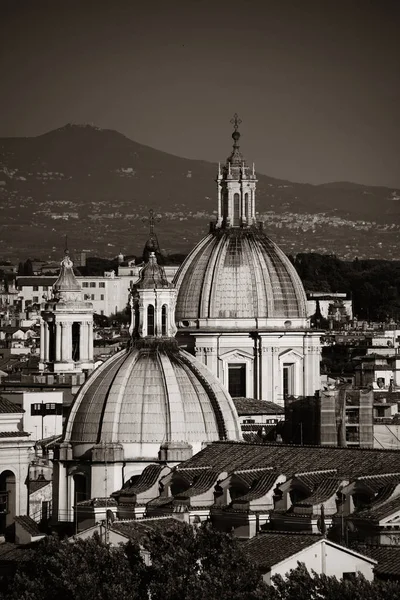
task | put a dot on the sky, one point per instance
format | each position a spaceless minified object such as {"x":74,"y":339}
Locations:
{"x":316,"y":83}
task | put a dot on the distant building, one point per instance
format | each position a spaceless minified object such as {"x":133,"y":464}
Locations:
{"x":15,"y":452}
{"x":336,"y":307}
{"x":335,"y":417}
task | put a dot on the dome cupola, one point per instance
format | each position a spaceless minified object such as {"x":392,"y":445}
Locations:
{"x":236,"y":277}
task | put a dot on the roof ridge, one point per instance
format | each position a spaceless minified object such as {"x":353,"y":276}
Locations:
{"x":377,"y":475}
{"x":315,"y":472}
{"x":249,"y":470}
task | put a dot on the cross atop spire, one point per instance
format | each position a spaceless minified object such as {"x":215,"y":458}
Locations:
{"x":236,"y":121}
{"x":152,"y":221}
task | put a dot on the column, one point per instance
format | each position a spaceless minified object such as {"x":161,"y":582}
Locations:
{"x":90,"y":341}
{"x":66,"y":345}
{"x":83,"y":341}
{"x":58,"y":341}
{"x":42,"y":341}
{"x":219,"y":219}
{"x":46,"y":342}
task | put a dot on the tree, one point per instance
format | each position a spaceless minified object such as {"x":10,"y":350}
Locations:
{"x":299,"y":584}
{"x":82,"y":570}
{"x":202,"y":564}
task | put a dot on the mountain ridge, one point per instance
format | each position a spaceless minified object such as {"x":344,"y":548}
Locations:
{"x":99,"y":183}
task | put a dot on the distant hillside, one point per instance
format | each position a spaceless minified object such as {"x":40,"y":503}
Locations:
{"x":96,"y":186}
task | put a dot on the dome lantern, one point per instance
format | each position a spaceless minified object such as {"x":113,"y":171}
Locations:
{"x":236,"y":187}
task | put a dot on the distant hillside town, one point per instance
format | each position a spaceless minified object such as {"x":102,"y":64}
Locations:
{"x":236,"y":392}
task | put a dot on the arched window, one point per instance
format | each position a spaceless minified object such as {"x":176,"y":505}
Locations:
{"x":150,"y":319}
{"x":236,"y":209}
{"x":164,"y":319}
{"x":7,"y":500}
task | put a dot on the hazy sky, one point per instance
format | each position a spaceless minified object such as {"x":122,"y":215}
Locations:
{"x":316,"y":83}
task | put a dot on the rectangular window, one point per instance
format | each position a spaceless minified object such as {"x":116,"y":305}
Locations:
{"x":85,"y":284}
{"x":35,"y":288}
{"x":86,"y":297}
{"x":237,"y":380}
{"x":92,"y":284}
{"x":45,"y":288}
{"x":288,"y":380}
{"x":102,"y":284}
{"x":101,"y":296}
{"x":35,"y":298}
{"x":92,"y":297}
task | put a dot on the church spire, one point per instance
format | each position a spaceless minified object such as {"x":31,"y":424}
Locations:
{"x":236,"y":187}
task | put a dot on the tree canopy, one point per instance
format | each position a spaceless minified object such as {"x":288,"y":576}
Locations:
{"x":184,"y":564}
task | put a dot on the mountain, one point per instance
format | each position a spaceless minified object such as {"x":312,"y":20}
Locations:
{"x":96,"y":186}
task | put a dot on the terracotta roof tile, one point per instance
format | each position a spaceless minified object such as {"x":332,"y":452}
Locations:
{"x":250,"y":406}
{"x":259,"y":487}
{"x":388,"y":558}
{"x":378,"y":511}
{"x":28,"y":524}
{"x":201,"y":484}
{"x":6,"y":406}
{"x":137,"y":530}
{"x":325,"y":490}
{"x":141,"y":483}
{"x":269,"y":549}
{"x":288,"y":460}
{"x":37,"y":484}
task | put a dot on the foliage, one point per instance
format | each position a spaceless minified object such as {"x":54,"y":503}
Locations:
{"x":374,"y":285}
{"x":83,"y":570}
{"x":299,"y":584}
{"x":201,"y":564}
{"x":185,"y":564}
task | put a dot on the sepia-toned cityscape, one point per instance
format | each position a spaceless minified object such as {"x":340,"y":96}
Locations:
{"x":199,"y":308}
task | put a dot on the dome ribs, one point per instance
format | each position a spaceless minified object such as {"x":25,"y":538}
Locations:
{"x":90,"y":401}
{"x":211,"y":394}
{"x":239,"y":273}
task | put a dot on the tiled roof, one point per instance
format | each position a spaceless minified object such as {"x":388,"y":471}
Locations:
{"x":10,"y":553}
{"x":6,"y":406}
{"x":388,"y":558}
{"x":99,"y":502}
{"x":37,"y":484}
{"x":288,"y":460}
{"x":326,"y":489}
{"x":201,"y":484}
{"x":377,"y":482}
{"x":312,"y":479}
{"x":161,"y":501}
{"x":141,"y":483}
{"x":377,"y":512}
{"x":12,"y":434}
{"x":250,"y":406}
{"x":259,"y":488}
{"x":269,"y":549}
{"x":251,"y":476}
{"x":28,"y":524}
{"x":137,"y":530}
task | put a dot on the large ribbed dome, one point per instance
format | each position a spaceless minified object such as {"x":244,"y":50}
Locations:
{"x":150,"y":395}
{"x":238,"y":273}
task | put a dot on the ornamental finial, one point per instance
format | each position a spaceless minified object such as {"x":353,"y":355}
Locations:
{"x":236,"y":121}
{"x":236,"y":135}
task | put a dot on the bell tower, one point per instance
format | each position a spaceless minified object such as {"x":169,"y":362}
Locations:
{"x":66,"y":326}
{"x":152,"y":302}
{"x":236,"y":187}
